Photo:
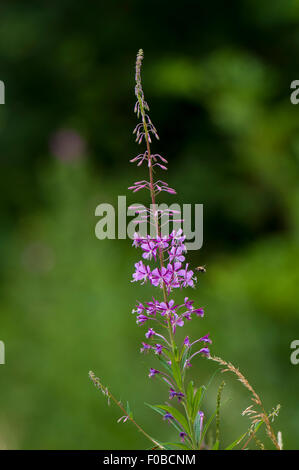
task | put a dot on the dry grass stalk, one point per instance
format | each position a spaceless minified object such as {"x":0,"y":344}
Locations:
{"x":254,"y":415}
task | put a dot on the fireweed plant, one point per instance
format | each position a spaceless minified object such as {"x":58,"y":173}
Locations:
{"x":162,"y":316}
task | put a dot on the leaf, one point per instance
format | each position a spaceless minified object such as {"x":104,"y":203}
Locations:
{"x":236,"y":442}
{"x":190,"y":391}
{"x":190,"y":396}
{"x":177,"y":415}
{"x":176,"y":372}
{"x":197,"y":429}
{"x":206,"y":427}
{"x":178,"y":445}
{"x":257,"y":426}
{"x":176,"y":353}
{"x":185,"y":355}
{"x":161,"y":412}
{"x":197,"y":400}
{"x":128,"y":410}
{"x":167,"y":446}
{"x":165,"y":365}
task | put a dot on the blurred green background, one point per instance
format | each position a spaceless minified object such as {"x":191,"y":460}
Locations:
{"x":217,"y":76}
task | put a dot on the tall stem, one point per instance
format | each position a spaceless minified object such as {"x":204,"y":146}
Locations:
{"x":161,"y":258}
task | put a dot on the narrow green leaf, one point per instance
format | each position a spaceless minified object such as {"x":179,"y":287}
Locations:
{"x":197,"y":430}
{"x":165,"y":365}
{"x":176,"y":352}
{"x":236,"y":442}
{"x":190,"y":396}
{"x":176,"y":372}
{"x":167,"y":446}
{"x":174,"y":445}
{"x":206,"y":427}
{"x":128,"y":410}
{"x":185,"y":354}
{"x":161,"y":412}
{"x":190,"y":391}
{"x":177,"y":415}
{"x":197,"y":400}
